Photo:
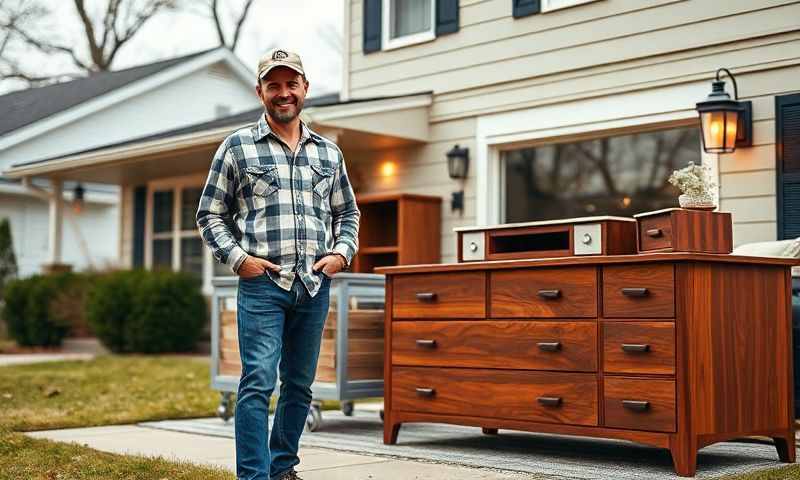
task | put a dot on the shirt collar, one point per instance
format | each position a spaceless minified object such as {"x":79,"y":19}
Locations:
{"x":262,"y":130}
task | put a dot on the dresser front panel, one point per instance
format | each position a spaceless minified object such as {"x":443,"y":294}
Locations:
{"x":533,"y":345}
{"x":555,"y":397}
{"x":639,"y":403}
{"x":639,"y":291}
{"x":639,"y":347}
{"x":544,"y":293}
{"x":442,"y":295}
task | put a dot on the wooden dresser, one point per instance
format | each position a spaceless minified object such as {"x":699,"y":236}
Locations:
{"x":675,"y":350}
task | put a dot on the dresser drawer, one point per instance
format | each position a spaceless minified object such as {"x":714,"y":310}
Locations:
{"x":531,"y":345}
{"x":636,"y":291}
{"x":440,"y":295}
{"x":515,"y":395}
{"x":544,"y":293}
{"x":639,"y":347}
{"x":655,"y":232}
{"x":639,"y":404}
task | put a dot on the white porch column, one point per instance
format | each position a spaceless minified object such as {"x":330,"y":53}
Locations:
{"x":55,"y":219}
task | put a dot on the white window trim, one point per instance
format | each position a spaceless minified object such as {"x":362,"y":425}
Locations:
{"x":669,"y":106}
{"x":176,"y":185}
{"x":552,"y":5}
{"x":400,"y":42}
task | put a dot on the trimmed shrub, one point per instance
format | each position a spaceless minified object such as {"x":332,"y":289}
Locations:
{"x":147,"y":312}
{"x":109,"y":306}
{"x":29,"y":312}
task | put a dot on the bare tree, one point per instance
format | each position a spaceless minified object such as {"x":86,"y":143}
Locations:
{"x":104,"y":33}
{"x":221,"y":14}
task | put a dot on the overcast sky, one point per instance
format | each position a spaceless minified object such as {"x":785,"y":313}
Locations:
{"x":312,"y":28}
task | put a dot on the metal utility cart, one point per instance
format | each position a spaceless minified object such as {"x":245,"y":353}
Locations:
{"x":350,"y":365}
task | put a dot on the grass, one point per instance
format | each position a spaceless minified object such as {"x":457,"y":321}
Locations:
{"x":108,"y":390}
{"x":23,"y":457}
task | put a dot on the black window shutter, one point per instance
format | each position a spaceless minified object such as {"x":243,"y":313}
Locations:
{"x":523,"y":8}
{"x":787,"y":143}
{"x":372,"y":25}
{"x":446,"y":17}
{"x":139,"y":210}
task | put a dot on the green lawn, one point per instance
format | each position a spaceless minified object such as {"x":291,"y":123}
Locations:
{"x":108,"y":390}
{"x":22,"y":457}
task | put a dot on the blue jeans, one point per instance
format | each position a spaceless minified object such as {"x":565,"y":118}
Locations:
{"x":275,"y":326}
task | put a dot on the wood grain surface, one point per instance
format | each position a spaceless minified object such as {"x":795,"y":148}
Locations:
{"x":497,"y":344}
{"x":658,"y":280}
{"x":506,"y":394}
{"x":621,"y":340}
{"x":519,"y":293}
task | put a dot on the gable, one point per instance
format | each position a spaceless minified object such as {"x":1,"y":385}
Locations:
{"x":210,"y":92}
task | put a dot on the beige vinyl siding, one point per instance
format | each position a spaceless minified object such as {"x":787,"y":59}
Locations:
{"x":423,"y":170}
{"x":595,"y":34}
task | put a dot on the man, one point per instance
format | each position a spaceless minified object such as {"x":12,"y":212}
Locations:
{"x":279,"y":210}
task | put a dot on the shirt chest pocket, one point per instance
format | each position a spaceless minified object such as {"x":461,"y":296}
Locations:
{"x":263,"y":180}
{"x":322,"y":180}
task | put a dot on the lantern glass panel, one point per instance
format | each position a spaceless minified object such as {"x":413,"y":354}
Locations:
{"x":731,"y":126}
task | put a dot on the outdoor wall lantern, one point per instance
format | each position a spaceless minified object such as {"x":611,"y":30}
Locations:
{"x":457,"y":168}
{"x":77,"y":198}
{"x":724,"y":123}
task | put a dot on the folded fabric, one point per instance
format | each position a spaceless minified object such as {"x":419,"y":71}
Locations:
{"x":779,"y":248}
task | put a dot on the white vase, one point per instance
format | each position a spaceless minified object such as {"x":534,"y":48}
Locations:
{"x":696,"y":202}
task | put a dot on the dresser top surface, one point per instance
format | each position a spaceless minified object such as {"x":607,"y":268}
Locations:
{"x":562,"y":221}
{"x":591,"y":260}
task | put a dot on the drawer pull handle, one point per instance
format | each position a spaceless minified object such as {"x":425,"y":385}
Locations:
{"x":635,"y":292}
{"x":426,"y":297}
{"x":549,"y":401}
{"x":426,"y":392}
{"x":655,"y":233}
{"x":549,"y":294}
{"x":636,"y":405}
{"x":635,"y":347}
{"x":426,"y":343}
{"x":549,"y":346}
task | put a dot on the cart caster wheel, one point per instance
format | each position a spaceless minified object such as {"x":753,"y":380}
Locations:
{"x":225,"y":408}
{"x":381,"y":414}
{"x":347,"y":409}
{"x":314,"y":418}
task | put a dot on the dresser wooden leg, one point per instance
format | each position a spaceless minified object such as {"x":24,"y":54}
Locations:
{"x":390,"y":432}
{"x":785,"y":447}
{"x":684,"y":457}
{"x":489,"y":431}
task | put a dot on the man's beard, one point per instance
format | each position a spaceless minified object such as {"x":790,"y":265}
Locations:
{"x":286,"y":116}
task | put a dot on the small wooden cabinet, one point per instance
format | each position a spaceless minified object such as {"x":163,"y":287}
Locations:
{"x":675,"y":350}
{"x":398,"y":229}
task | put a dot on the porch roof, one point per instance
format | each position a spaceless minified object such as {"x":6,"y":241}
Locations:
{"x":358,"y":124}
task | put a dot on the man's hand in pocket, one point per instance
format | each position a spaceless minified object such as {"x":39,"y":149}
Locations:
{"x":254,"y":266}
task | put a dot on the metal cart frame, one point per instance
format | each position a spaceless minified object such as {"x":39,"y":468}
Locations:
{"x":343,"y":285}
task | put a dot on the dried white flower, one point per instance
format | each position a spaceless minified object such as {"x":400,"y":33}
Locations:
{"x":694,"y":180}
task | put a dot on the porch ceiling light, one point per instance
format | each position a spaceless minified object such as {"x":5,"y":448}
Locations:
{"x":724,"y":123}
{"x":78,"y":198}
{"x":458,"y":162}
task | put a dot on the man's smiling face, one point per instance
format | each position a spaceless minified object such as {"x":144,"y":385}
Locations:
{"x":283,"y":92}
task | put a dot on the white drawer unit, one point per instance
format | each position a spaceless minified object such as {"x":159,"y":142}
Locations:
{"x":587,"y":239}
{"x":473,"y":246}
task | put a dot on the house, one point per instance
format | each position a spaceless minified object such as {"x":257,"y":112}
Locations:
{"x":566,"y":107}
{"x":111,"y":107}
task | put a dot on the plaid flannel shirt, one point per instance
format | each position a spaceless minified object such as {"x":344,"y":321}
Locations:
{"x":260,"y":199}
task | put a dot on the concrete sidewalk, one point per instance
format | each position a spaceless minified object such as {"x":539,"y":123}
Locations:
{"x":315,"y":463}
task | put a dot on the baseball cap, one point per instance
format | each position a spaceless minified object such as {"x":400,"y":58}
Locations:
{"x":278,"y":57}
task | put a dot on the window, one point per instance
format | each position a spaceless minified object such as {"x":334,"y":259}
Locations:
{"x":174,"y":240}
{"x":620,"y":175}
{"x":548,"y":5}
{"x":407,"y":22}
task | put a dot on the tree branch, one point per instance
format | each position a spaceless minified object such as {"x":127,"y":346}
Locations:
{"x":217,"y":23}
{"x":239,"y":24}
